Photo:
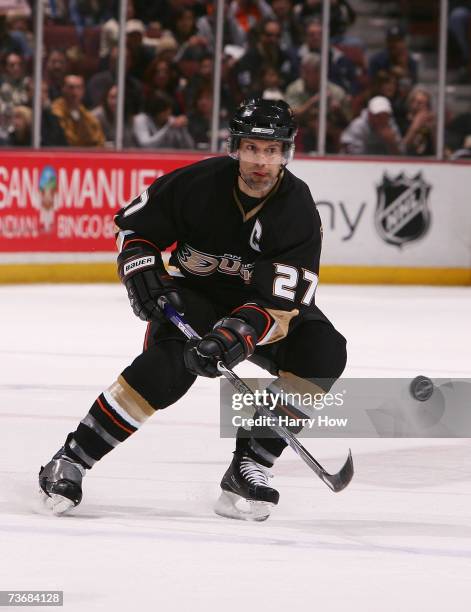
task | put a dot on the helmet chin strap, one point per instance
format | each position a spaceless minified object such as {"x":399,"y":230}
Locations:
{"x":245,"y":181}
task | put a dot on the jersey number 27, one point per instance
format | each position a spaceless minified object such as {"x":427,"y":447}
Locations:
{"x":286,"y":282}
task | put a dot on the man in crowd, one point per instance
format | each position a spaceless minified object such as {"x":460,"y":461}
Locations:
{"x":80,"y":127}
{"x":374,"y":132}
{"x":303,"y":94}
{"x":265,"y":50}
{"x":395,"y":55}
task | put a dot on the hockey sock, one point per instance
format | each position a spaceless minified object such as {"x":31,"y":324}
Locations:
{"x":116,"y":414}
{"x":265,"y":450}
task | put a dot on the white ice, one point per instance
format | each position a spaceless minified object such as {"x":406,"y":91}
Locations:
{"x":145,"y":537}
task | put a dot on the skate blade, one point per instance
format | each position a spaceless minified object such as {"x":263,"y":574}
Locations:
{"x":230,"y":505}
{"x":57,"y":504}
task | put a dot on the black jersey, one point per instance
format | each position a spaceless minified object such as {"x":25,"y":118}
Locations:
{"x":267,"y":256}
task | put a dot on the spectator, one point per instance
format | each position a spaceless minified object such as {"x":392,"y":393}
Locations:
{"x":303,"y":94}
{"x":342,"y":71}
{"x":19,"y":29}
{"x":374,"y":132}
{"x":229,"y":79}
{"x":89,"y":13}
{"x":270,"y":85}
{"x":161,"y":77}
{"x":56,"y":11}
{"x":265,"y":50}
{"x":199,"y":121}
{"x":14,"y":88}
{"x":156,"y":128}
{"x":249,"y":13}
{"x":140,"y":55}
{"x":110,"y":31}
{"x":457,"y":131}
{"x":183,"y":28}
{"x":154,"y":38}
{"x":106,"y":115}
{"x":203,"y":79}
{"x":233,"y":33}
{"x":404,"y":88}
{"x":459,"y":26}
{"x":291,"y":32}
{"x":342,"y":17}
{"x":188,"y":61}
{"x":52,"y":134}
{"x":8,"y":43}
{"x":20,"y":131}
{"x":306,"y":138}
{"x":80,"y":127}
{"x":100,"y":82}
{"x":465,"y":151}
{"x":396,"y":55}
{"x":163,"y":11}
{"x":419,"y":138}
{"x":56,"y":68}
{"x":165,"y":46}
{"x":387,"y":84}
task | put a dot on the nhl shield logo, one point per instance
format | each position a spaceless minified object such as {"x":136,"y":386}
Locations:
{"x":402,"y":214}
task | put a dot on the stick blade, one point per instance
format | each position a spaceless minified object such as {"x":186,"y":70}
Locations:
{"x":337,"y":482}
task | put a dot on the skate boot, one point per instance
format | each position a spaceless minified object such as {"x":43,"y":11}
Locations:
{"x":60,"y":483}
{"x":245,"y":492}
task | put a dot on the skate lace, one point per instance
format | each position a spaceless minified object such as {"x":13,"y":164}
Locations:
{"x":255,"y":473}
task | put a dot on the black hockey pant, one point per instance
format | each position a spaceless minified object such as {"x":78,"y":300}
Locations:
{"x":157,"y":378}
{"x":314,"y":349}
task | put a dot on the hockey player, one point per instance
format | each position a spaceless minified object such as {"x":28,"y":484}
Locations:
{"x":244,"y":273}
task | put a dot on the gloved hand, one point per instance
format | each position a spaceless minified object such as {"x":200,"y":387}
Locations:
{"x":142,"y":271}
{"x":231,"y":341}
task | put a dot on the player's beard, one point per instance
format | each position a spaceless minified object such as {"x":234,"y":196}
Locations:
{"x":259,"y":183}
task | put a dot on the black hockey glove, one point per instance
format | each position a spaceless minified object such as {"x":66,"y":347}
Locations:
{"x":230,"y":341}
{"x":142,"y":271}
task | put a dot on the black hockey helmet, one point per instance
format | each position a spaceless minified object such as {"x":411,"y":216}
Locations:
{"x":265,"y":120}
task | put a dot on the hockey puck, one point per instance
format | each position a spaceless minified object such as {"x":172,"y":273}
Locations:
{"x":421,"y":388}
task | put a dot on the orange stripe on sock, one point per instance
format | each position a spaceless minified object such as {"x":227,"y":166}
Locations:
{"x":108,"y":413}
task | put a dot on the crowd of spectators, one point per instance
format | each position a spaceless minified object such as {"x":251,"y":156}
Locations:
{"x":375,"y":101}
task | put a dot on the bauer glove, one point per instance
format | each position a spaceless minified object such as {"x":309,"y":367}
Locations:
{"x":230,"y":341}
{"x":142,"y":271}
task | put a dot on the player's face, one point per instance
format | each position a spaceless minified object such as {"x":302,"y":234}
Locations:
{"x":259,"y":162}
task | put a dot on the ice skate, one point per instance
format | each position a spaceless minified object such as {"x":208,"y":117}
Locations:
{"x":60,"y":483}
{"x":245,"y":492}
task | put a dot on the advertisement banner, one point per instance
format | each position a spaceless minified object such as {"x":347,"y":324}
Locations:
{"x":389,"y":214}
{"x":65,"y":202}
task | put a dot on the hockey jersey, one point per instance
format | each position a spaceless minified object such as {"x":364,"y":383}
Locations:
{"x":267,"y":256}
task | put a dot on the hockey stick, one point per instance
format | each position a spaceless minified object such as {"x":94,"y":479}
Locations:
{"x":337,"y":481}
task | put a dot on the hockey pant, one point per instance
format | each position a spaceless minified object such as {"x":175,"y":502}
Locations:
{"x":157,"y":378}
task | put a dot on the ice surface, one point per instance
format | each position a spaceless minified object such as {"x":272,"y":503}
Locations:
{"x":145,"y":537}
